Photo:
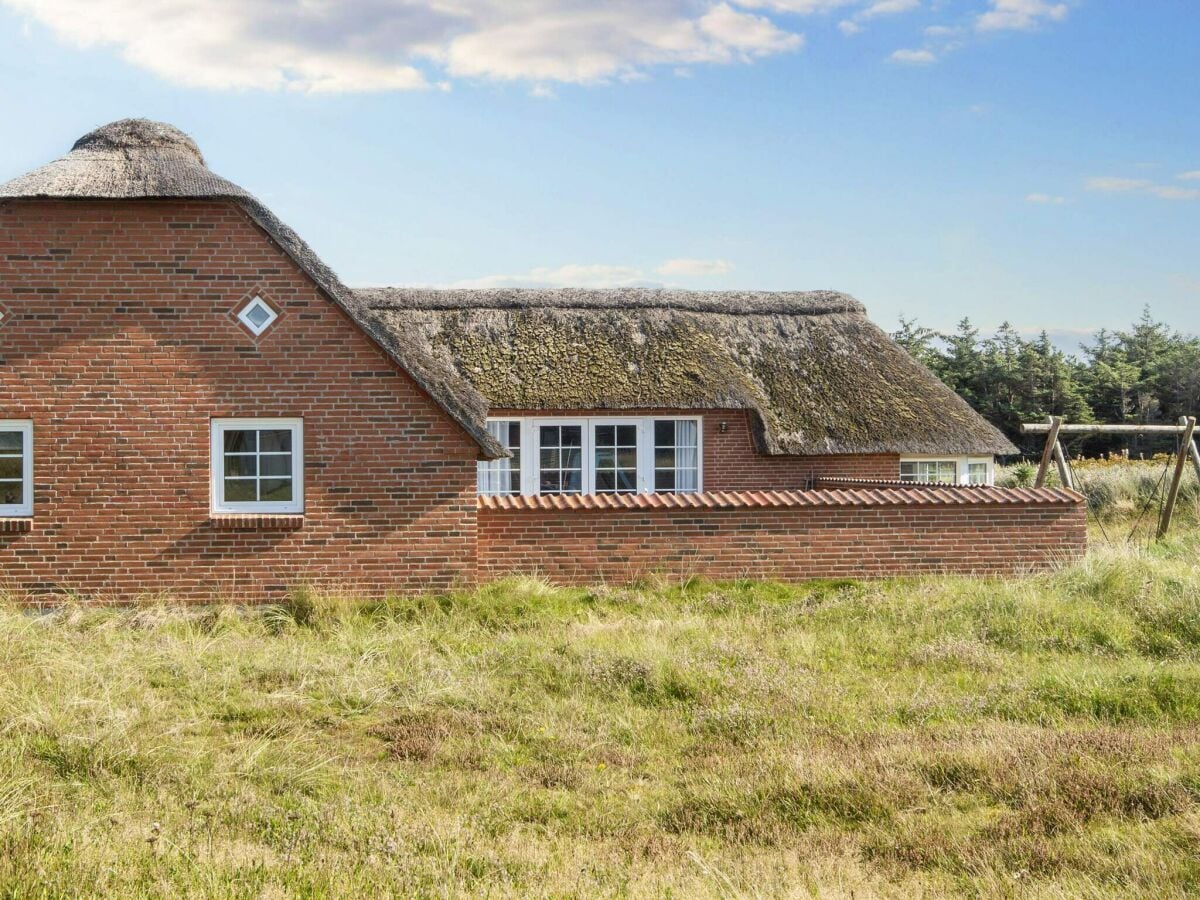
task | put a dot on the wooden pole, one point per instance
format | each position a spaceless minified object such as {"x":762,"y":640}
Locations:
{"x":1195,"y":458}
{"x":1064,"y":471}
{"x":1048,"y":451}
{"x":1044,"y":427}
{"x":1181,"y":460}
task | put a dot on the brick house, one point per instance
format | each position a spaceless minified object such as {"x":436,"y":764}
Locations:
{"x":192,"y":404}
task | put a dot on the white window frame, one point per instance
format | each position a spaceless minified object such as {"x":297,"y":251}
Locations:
{"x":962,"y":471}
{"x":24,"y":510}
{"x":491,"y":468}
{"x":244,"y":315}
{"x":222,"y":507}
{"x":532,"y":483}
{"x":531,"y":449}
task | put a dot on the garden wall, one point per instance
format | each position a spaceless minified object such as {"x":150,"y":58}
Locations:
{"x":789,"y":536}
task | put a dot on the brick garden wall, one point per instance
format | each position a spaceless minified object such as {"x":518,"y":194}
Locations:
{"x":819,"y":534}
{"x":117,"y":341}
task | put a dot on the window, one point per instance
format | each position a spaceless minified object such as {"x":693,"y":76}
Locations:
{"x":257,"y":316}
{"x":937,"y":471}
{"x":961,"y":470}
{"x":560,"y":459}
{"x":615,"y":458}
{"x":16,"y":469}
{"x":258,"y":465}
{"x":676,"y":455}
{"x":503,"y":476}
{"x":602,"y":455}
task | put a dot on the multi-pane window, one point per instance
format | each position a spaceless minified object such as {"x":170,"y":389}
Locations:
{"x":503,"y":476}
{"x":16,"y":469}
{"x":560,"y":459}
{"x":963,"y":470}
{"x":615,"y":458}
{"x":602,"y":455}
{"x":676,"y":455}
{"x":258,"y":465}
{"x":937,"y":471}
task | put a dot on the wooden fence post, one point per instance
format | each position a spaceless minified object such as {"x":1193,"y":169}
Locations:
{"x":1048,"y":451}
{"x":1181,"y":461}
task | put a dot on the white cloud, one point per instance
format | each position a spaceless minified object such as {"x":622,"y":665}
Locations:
{"x":913,"y":57}
{"x":1189,"y":176}
{"x":1020,"y":15}
{"x":572,"y":275}
{"x":600,"y":275}
{"x":1046,"y":199}
{"x":1171,"y":192}
{"x":1111,"y":184}
{"x":695,"y":268}
{"x":375,"y":45}
{"x":849,"y":27}
{"x":888,"y":8}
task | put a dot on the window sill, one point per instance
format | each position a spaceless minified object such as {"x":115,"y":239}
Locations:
{"x":16,"y":525}
{"x":252,"y":522}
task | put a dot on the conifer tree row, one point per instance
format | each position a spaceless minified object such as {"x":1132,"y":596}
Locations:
{"x":1147,"y":374}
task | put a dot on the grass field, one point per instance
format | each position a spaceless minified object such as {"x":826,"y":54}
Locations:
{"x":910,"y":738}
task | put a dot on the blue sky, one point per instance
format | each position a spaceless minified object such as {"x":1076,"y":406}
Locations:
{"x":1021,"y":160}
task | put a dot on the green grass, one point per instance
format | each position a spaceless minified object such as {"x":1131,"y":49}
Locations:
{"x":919,"y":737}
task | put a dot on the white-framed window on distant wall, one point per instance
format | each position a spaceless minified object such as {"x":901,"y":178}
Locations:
{"x":948,"y":469}
{"x":258,"y":466}
{"x":595,"y":455}
{"x":16,"y":468}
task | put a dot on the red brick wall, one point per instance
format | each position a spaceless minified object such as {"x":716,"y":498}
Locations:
{"x":120,"y":347}
{"x":787,"y":543}
{"x":732,"y":462}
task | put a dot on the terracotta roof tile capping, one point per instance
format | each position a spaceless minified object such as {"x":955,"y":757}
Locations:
{"x":955,"y":495}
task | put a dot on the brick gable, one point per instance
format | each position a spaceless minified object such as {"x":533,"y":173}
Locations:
{"x":120,"y":346}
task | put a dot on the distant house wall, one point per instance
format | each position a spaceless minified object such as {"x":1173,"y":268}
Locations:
{"x":851,"y":534}
{"x":732,"y":462}
{"x":117,"y":341}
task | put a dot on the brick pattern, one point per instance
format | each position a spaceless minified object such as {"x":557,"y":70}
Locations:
{"x":732,"y":462}
{"x":857,"y":536}
{"x":120,"y":346}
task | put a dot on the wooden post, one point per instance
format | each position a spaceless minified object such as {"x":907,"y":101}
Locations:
{"x":1064,"y":471}
{"x":1048,"y":451}
{"x":1185,"y":451}
{"x":1195,"y":458}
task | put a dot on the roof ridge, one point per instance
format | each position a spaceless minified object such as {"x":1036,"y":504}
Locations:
{"x":729,"y":302}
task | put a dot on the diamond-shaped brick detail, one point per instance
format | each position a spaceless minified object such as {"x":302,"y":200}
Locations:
{"x":257,"y":315}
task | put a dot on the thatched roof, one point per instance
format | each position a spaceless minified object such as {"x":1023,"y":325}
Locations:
{"x":136,"y":159}
{"x":819,"y":375}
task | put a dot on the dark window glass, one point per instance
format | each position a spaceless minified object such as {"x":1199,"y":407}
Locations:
{"x":241,"y":441}
{"x":275,"y":441}
{"x":276,"y":490}
{"x":239,"y":490}
{"x":241,"y":466}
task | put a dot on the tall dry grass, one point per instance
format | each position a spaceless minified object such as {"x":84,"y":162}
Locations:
{"x":921,"y":737}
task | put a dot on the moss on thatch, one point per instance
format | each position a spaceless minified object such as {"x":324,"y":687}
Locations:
{"x":819,"y":375}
